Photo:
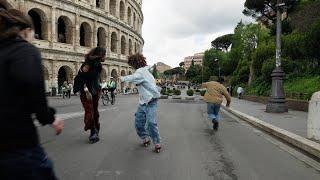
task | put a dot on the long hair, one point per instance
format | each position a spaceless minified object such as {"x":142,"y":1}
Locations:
{"x":12,"y":21}
{"x":137,"y":61}
{"x":97,"y":53}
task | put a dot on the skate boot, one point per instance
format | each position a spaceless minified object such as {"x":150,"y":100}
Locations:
{"x":146,"y":142}
{"x":215,"y":125}
{"x":157,"y":148}
{"x":94,"y":137}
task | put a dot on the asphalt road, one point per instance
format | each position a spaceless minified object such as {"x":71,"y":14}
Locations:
{"x":191,"y":150}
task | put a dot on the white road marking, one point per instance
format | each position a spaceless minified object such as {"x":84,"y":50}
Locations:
{"x":66,"y":116}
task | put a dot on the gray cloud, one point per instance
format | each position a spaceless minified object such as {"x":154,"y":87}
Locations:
{"x":176,"y":28}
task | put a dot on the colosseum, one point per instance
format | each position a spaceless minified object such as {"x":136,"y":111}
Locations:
{"x":65,"y":30}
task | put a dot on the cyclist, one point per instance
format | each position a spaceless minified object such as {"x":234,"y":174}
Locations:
{"x":104,"y":86}
{"x":112,"y":85}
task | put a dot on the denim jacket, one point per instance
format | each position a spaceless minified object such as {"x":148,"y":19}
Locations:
{"x":146,"y":85}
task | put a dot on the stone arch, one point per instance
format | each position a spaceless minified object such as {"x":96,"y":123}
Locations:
{"x":46,"y":78}
{"x":114,"y":42}
{"x":40,"y":23}
{"x":123,"y":73}
{"x":65,"y":30}
{"x":103,"y":75}
{"x":122,"y":10}
{"x":129,"y":16}
{"x":85,"y":34}
{"x":65,"y":73}
{"x":113,"y":7}
{"x":123,"y":45}
{"x":130,"y":47}
{"x":130,"y":84}
{"x":101,"y":37}
{"x":134,"y":20}
{"x":135,"y":47}
{"x":101,"y":4}
{"x":114,"y":73}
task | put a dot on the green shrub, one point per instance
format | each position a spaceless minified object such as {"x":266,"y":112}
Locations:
{"x":202,"y":92}
{"x":163,"y":91}
{"x":169,"y":91}
{"x":267,"y":68}
{"x":190,"y":92}
{"x":177,"y":92}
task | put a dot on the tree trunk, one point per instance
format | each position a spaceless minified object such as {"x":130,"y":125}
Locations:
{"x":250,"y":74}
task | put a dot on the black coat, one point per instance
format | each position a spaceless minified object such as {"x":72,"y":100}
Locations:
{"x":22,"y":94}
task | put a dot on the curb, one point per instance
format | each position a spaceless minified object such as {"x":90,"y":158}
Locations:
{"x":298,"y":141}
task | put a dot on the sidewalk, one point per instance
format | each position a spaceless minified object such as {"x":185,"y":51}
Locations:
{"x":294,"y":121}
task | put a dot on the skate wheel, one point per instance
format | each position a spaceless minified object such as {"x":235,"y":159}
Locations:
{"x":157,"y":150}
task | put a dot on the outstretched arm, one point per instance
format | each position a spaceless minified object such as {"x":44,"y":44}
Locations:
{"x":136,"y":78}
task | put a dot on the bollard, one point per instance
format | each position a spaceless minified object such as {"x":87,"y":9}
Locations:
{"x":314,"y":117}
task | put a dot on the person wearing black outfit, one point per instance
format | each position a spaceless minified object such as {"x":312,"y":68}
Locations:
{"x":87,"y":82}
{"x":22,"y":95}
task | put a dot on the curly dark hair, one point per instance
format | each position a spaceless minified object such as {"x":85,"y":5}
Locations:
{"x":137,"y":61}
{"x":97,"y":53}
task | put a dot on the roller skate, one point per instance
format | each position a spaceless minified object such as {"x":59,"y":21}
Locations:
{"x":146,"y":142}
{"x":157,"y":148}
{"x":94,"y":136}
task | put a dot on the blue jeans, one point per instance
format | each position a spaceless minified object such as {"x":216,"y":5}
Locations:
{"x":146,"y":121}
{"x":30,"y":163}
{"x":213,"y":111}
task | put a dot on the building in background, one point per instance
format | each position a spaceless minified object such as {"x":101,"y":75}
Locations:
{"x":197,"y":58}
{"x":66,"y":30}
{"x":162,"y":67}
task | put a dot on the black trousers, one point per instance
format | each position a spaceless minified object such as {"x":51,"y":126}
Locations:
{"x":26,"y":164}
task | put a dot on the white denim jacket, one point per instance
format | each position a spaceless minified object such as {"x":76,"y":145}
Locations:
{"x":146,"y":84}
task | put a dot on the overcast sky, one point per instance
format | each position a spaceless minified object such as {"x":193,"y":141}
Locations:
{"x":174,"y":29}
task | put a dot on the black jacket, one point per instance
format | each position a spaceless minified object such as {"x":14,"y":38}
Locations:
{"x":91,"y":78}
{"x":21,"y":94}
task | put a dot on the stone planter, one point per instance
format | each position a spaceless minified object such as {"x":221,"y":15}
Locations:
{"x":197,"y":93}
{"x":176,"y":97}
{"x":164,"y":97}
{"x":190,"y":98}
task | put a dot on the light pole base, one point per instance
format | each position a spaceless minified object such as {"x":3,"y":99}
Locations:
{"x":277,"y":100}
{"x":276,"y":107}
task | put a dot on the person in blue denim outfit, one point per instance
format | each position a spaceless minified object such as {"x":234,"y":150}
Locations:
{"x":146,"y":115}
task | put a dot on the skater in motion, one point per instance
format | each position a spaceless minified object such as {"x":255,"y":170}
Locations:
{"x":214,"y":98}
{"x":146,"y":115}
{"x":87,"y":82}
{"x":21,"y":155}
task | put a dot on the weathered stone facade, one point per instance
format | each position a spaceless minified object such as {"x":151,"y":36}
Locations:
{"x":67,"y":29}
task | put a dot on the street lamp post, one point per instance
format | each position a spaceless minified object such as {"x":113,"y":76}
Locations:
{"x":277,"y":100}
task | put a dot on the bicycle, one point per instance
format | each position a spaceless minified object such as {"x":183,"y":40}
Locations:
{"x":105,"y":98}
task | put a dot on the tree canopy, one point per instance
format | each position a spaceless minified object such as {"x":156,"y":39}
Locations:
{"x":222,"y":42}
{"x":266,"y":10}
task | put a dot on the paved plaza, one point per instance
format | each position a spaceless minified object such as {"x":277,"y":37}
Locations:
{"x":191,"y":149}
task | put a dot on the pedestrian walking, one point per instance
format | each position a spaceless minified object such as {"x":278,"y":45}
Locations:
{"x":22,"y":94}
{"x":70,"y":87}
{"x":65,"y":90}
{"x":214,"y":98}
{"x":240,"y":92}
{"x":87,"y":83}
{"x":146,"y":115}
